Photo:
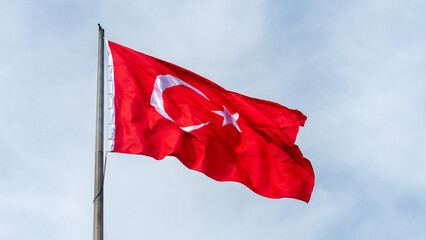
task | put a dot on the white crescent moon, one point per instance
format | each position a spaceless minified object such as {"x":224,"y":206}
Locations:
{"x":162,"y":82}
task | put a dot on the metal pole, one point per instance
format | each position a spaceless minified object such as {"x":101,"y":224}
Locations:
{"x":98,"y":214}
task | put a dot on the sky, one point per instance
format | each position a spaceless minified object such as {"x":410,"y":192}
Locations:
{"x":356,"y":69}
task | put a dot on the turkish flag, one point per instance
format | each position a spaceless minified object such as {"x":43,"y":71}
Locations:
{"x":163,"y":110}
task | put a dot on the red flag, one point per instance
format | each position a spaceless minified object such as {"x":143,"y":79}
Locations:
{"x":164,"y":110}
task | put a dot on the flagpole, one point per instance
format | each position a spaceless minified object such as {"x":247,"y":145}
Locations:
{"x":98,"y":213}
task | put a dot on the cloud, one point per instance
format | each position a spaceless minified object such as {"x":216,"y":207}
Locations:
{"x":355,"y":69}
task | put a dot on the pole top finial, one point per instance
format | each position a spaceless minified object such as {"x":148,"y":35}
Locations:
{"x":101,"y":29}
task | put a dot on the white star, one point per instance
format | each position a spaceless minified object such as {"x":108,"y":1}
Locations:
{"x":229,"y":118}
